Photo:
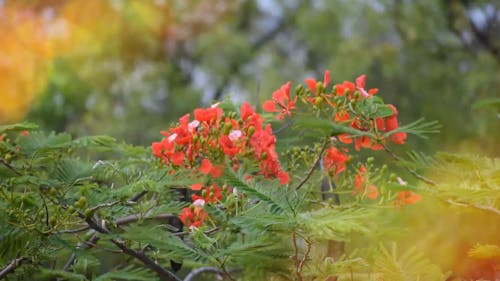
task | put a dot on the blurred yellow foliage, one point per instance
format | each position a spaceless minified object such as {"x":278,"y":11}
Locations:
{"x":484,"y":251}
{"x":85,"y":31}
{"x":33,"y":36}
{"x":26,"y":51}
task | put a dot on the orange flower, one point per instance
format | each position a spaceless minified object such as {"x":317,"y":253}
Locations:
{"x":281,"y":98}
{"x":193,"y":216}
{"x":372,"y":192}
{"x":408,"y":197}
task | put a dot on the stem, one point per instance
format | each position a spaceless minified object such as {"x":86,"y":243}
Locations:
{"x":311,"y":170}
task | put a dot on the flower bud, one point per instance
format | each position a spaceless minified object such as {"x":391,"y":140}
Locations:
{"x":299,"y":90}
{"x":370,"y":160}
{"x":383,"y":169}
{"x":264,"y":156}
{"x":318,"y":101}
{"x":393,"y":177}
{"x":88,"y":213}
{"x":251,"y":130}
{"x":319,"y":87}
{"x":52,"y":221}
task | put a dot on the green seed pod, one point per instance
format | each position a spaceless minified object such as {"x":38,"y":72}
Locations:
{"x":53,"y":191}
{"x":370,"y":160}
{"x":82,"y":201}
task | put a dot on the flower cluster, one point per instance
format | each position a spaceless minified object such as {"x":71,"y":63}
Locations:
{"x":212,"y":140}
{"x":346,"y":104}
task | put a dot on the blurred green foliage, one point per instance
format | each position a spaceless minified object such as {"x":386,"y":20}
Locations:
{"x":436,"y":59}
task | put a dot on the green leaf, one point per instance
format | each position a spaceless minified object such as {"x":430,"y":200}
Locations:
{"x":409,"y":266}
{"x":128,"y":273}
{"x":232,"y":179}
{"x":65,"y":275}
{"x":18,"y":127}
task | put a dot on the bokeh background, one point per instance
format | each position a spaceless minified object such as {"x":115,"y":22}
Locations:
{"x":127,"y":68}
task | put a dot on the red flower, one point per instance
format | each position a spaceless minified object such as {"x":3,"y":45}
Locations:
{"x":211,"y":194}
{"x":359,"y":180}
{"x":208,"y":115}
{"x":196,"y":186}
{"x":311,"y":82}
{"x":281,"y":98}
{"x":206,"y":166}
{"x":246,"y":111}
{"x":360,"y":85}
{"x":390,"y":124}
{"x":193,"y":217}
{"x":346,"y":87}
{"x":334,"y":160}
{"x":229,"y":147}
{"x":283,"y":177}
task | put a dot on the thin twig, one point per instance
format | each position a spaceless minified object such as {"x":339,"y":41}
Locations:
{"x":138,"y":196}
{"x":411,"y":171}
{"x":104,"y":205}
{"x":476,"y":206}
{"x":91,"y":241}
{"x":75,"y":230}
{"x":311,"y":170}
{"x":9,"y":166}
{"x":306,"y":255}
{"x":283,"y":127}
{"x":184,"y":233}
{"x":12,"y":266}
{"x":296,"y":257}
{"x":135,"y":218}
{"x":198,"y":271}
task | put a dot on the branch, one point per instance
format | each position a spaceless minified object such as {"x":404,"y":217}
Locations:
{"x":12,"y":266}
{"x":162,"y":272}
{"x":311,"y":170}
{"x":198,"y":271}
{"x":149,"y":263}
{"x":104,"y":205}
